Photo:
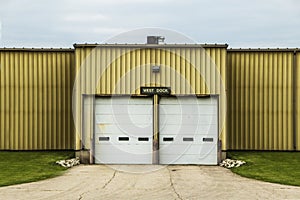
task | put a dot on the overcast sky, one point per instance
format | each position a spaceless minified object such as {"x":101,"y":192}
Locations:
{"x":61,"y":23}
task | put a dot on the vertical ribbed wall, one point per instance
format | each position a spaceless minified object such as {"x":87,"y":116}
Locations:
{"x":36,"y":91}
{"x":260,"y":100}
{"x":187,"y":70}
{"x":178,"y":61}
{"x":36,"y":99}
{"x":297,"y":90}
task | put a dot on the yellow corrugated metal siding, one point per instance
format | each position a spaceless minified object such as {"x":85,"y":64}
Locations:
{"x":260,"y":100}
{"x":36,"y":99}
{"x":127,"y":60}
{"x":297,"y":90}
{"x":36,"y":91}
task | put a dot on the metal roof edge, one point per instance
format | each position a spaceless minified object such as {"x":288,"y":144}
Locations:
{"x":38,"y":49}
{"x":152,"y":45}
{"x":263,"y":50}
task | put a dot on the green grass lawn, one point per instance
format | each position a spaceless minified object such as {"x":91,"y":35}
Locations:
{"x":275,"y":167}
{"x":22,"y":167}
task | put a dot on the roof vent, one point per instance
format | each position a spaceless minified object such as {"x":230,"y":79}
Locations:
{"x":155,"y":39}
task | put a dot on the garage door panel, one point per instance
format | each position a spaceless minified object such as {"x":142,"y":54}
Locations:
{"x":114,"y":150}
{"x":124,"y":119}
{"x":123,"y":101}
{"x":140,"y":154}
{"x":127,"y":147}
{"x":123,"y":131}
{"x":188,"y":119}
{"x":124,"y":158}
{"x":107,"y":129}
{"x":190,"y":109}
{"x":188,"y":131}
{"x":201,"y":129}
{"x":187,"y":101}
{"x":178,"y":149}
{"x":123,"y":109}
{"x":142,"y":139}
{"x":187,"y":139}
{"x":210,"y":159}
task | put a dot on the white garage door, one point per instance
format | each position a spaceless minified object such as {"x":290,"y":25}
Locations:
{"x":123,"y":130}
{"x":188,"y":130}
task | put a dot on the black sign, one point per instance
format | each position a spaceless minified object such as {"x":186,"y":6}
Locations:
{"x":156,"y":90}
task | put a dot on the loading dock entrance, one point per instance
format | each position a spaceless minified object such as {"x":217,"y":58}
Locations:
{"x":187,"y":128}
{"x":123,"y":130}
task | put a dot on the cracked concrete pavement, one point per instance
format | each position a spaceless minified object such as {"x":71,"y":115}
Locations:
{"x":169,"y":182}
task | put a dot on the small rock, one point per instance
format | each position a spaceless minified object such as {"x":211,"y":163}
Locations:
{"x":228,"y":163}
{"x":69,"y":163}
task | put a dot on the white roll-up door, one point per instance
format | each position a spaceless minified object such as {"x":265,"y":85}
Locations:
{"x":123,"y":130}
{"x":188,"y":130}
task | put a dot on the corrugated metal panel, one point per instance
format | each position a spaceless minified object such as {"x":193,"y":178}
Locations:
{"x":260,"y":100}
{"x":186,"y":70}
{"x":127,"y":61}
{"x":36,"y":96}
{"x":297,"y":90}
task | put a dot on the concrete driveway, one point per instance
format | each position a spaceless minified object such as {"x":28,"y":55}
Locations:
{"x":172,"y":182}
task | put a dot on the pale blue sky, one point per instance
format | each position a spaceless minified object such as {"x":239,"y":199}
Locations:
{"x":60,"y":23}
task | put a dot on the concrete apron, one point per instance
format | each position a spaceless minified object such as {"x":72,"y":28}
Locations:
{"x":149,"y":182}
